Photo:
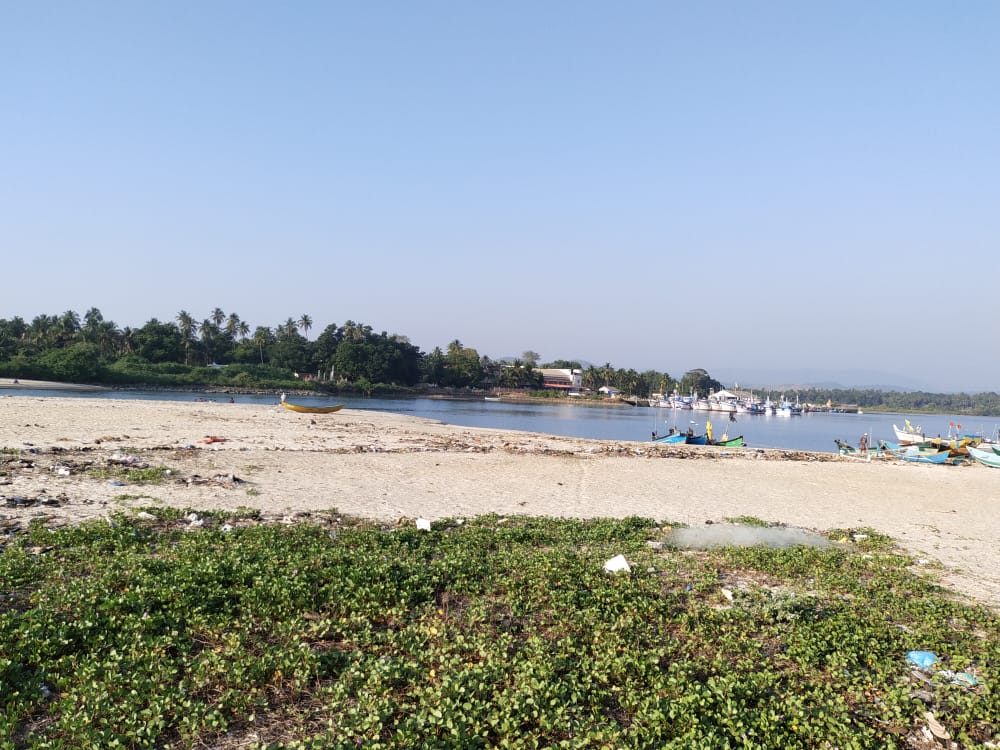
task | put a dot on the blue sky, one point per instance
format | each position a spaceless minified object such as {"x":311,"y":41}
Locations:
{"x":777,"y":190}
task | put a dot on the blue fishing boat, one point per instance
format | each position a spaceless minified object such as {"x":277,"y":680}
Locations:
{"x":912,"y":453}
{"x":677,"y":438}
{"x":986,"y":458}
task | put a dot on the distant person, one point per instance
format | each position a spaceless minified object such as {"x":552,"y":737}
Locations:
{"x":232,"y":400}
{"x":863,"y":443}
{"x":15,"y":381}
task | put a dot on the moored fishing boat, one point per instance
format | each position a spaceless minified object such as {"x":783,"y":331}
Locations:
{"x":986,"y":458}
{"x":846,"y":449}
{"x":676,"y":438}
{"x":918,"y":455}
{"x":910,"y":435}
{"x":311,"y":409}
{"x":728,"y":442}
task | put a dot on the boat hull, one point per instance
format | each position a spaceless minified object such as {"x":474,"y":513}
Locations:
{"x":312,"y":409}
{"x":678,"y":438}
{"x":986,"y":458}
{"x":910,"y":453}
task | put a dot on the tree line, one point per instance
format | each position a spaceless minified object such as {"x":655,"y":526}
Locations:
{"x":186,"y":351}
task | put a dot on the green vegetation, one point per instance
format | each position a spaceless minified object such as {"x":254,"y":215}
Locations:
{"x":223,"y":352}
{"x":492,"y":633}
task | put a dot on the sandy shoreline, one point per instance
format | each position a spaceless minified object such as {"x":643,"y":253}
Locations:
{"x":387,"y":466}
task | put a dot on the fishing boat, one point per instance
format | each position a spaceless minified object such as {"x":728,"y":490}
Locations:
{"x":312,"y":409}
{"x":697,"y":440}
{"x":676,"y":438}
{"x":728,"y":442}
{"x":912,"y":453}
{"x":846,"y":449}
{"x":986,"y":458}
{"x":910,"y":435}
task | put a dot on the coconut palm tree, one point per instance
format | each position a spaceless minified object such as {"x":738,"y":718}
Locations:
{"x":244,"y":330}
{"x":305,"y":323}
{"x":69,"y":326}
{"x":232,"y":325}
{"x":187,"y":326}
{"x":262,"y":337}
{"x":217,"y":317}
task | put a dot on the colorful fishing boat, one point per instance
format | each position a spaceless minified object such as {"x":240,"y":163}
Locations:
{"x":676,"y":438}
{"x":986,"y":458}
{"x":909,"y":435}
{"x":913,"y":453}
{"x":846,"y":449}
{"x":728,"y":442}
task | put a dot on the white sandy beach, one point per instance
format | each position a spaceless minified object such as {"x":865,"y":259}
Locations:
{"x":389,"y":466}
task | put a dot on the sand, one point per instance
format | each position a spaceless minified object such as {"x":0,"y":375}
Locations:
{"x":389,"y":466}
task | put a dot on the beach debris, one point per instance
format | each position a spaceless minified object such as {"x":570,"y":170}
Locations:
{"x":965,"y":679}
{"x":423,"y":524}
{"x":935,"y":726}
{"x":618,"y":564}
{"x":195,"y":521}
{"x":212,"y":439}
{"x":922,"y":659}
{"x":226,"y":528}
{"x":145,"y":516}
{"x":728,"y":593}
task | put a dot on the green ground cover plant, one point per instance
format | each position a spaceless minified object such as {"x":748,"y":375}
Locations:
{"x":494,"y":632}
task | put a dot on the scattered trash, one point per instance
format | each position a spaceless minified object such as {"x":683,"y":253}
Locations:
{"x":212,"y":439}
{"x":923,"y":659}
{"x":859,"y":537}
{"x":115,"y":483}
{"x":227,"y":527}
{"x":617,"y":564}
{"x":727,"y":593}
{"x":965,"y":679}
{"x":423,"y":524}
{"x":62,"y":471}
{"x":935,"y":726}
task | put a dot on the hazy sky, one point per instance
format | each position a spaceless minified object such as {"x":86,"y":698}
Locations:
{"x":790,"y":188}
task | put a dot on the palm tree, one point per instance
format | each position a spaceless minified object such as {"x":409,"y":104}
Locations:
{"x":243,"y":329}
{"x":187,"y":327}
{"x":261,"y":337}
{"x":217,"y":317}
{"x":69,"y":326}
{"x":232,"y":325}
{"x":92,"y":320}
{"x":305,"y":323}
{"x":107,"y":337}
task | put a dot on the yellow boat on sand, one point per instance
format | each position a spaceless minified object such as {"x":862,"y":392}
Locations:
{"x":312,"y":409}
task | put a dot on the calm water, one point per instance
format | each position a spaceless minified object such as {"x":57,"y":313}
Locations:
{"x":815,"y":432}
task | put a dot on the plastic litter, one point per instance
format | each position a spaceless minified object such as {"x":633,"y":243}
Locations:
{"x":923,"y":659}
{"x":423,"y":524}
{"x":618,"y":564}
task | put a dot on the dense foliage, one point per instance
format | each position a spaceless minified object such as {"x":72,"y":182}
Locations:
{"x":492,"y":633}
{"x":186,"y":352}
